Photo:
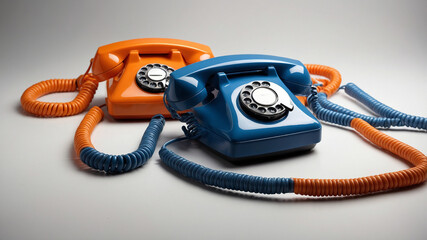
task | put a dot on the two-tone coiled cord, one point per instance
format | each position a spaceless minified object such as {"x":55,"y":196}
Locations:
{"x":316,"y":187}
{"x":87,"y":85}
{"x":312,"y":187}
{"x":115,"y":163}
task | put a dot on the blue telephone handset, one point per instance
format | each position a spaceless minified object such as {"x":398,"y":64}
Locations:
{"x":244,"y":106}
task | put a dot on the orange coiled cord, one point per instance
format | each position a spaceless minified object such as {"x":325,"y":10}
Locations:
{"x":329,"y":85}
{"x":381,"y":182}
{"x":85,"y":129}
{"x":52,"y":109}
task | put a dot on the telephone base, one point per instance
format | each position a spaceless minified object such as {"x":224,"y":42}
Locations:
{"x":264,"y":157}
{"x":139,"y":110}
{"x":243,"y":150}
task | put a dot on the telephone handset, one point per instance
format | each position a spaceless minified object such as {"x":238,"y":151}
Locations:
{"x":244,"y":106}
{"x":296,"y":76}
{"x":137,"y":72}
{"x":109,"y":59}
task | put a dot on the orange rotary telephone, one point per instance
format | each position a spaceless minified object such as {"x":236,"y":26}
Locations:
{"x":140,"y":73}
{"x":137,"y":72}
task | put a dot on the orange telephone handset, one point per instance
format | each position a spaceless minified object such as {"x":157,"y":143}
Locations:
{"x":137,"y":72}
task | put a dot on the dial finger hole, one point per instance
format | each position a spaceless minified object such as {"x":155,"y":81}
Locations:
{"x":160,"y":85}
{"x":247,"y":100}
{"x":157,"y":65}
{"x":149,"y":66}
{"x":245,"y":94}
{"x":266,"y":84}
{"x":272,"y":110}
{"x":145,"y":82}
{"x":256,"y":84}
{"x":153,"y":85}
{"x":249,"y":88}
{"x":261,"y":109}
{"x":253,"y":105}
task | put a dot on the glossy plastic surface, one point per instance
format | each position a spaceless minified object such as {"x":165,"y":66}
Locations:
{"x":109,"y":59}
{"x":192,"y":80}
{"x":213,"y":86}
{"x":119,"y":63}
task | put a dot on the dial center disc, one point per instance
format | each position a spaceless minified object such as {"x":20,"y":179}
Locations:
{"x":156,"y":74}
{"x":264,"y":96}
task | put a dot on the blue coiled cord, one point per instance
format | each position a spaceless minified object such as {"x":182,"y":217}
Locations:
{"x":223,"y":179}
{"x":326,"y":114}
{"x":384,"y":110}
{"x":374,"y":121}
{"x":217,"y":178}
{"x":126,"y":162}
{"x":193,"y":129}
{"x":333,"y":113}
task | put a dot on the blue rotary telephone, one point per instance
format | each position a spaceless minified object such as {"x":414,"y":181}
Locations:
{"x":244,"y":106}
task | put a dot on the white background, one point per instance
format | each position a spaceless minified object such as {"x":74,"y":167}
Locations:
{"x":47,"y":194}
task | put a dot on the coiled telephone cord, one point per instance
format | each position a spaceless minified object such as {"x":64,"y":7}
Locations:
{"x":114,"y":163}
{"x":384,"y":110}
{"x":86,"y":85}
{"x":314,"y":187}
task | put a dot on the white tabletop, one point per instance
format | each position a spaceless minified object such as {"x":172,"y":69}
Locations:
{"x":46,"y":193}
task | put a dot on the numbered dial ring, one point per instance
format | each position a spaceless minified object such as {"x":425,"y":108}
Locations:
{"x":154,"y":77}
{"x":265,"y":101}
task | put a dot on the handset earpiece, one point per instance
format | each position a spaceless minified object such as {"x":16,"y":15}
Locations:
{"x":297,"y":79}
{"x":106,"y":65}
{"x":185,"y":92}
{"x":193,"y":56}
